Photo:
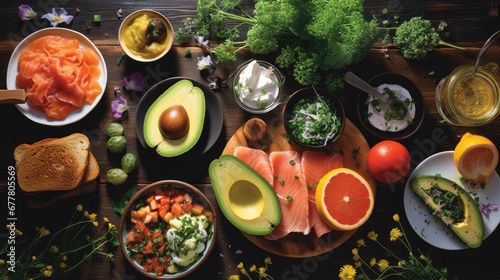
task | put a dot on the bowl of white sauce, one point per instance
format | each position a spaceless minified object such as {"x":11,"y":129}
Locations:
{"x":258,"y":86}
{"x":398,"y":117}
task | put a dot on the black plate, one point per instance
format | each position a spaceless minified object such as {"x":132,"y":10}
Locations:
{"x":392,"y":78}
{"x":213,"y":117}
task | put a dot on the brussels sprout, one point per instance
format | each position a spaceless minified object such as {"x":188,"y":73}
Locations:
{"x":116,"y":144}
{"x":116,"y":176}
{"x":129,"y":162}
{"x":114,"y":129}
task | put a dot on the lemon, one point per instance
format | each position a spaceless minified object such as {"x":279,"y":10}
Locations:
{"x":476,"y":157}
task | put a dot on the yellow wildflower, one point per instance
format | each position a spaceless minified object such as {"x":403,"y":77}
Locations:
{"x":267,"y":260}
{"x":422,"y":257}
{"x":93,"y":217}
{"x":2,"y":261}
{"x":383,"y":264}
{"x":240,"y":265}
{"x":361,"y":242}
{"x":18,"y":232}
{"x":373,"y":261}
{"x":355,"y":255}
{"x":347,"y":272}
{"x":43,"y":231}
{"x":252,"y":268}
{"x":33,"y":258}
{"x":372,"y":235}
{"x":105,"y":219}
{"x":65,"y":258}
{"x":79,"y":208}
{"x":63,"y":265}
{"x":358,"y":264}
{"x":54,"y":249}
{"x":262,"y":272}
{"x":395,"y":234}
{"x":47,"y":271}
{"x":234,"y":277}
{"x":396,"y":217}
{"x":95,"y":223}
{"x":86,"y":213}
{"x":111,"y":226}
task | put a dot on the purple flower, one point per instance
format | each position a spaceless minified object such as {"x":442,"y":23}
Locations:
{"x":133,"y":82}
{"x":56,"y":18}
{"x":486,"y":208}
{"x":119,"y":106}
{"x":26,"y":12}
{"x":119,"y":13}
{"x":204,"y":62}
{"x":200,"y":41}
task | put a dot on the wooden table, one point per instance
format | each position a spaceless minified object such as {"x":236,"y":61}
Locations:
{"x":470,"y":24}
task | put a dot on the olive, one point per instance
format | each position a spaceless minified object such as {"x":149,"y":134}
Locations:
{"x":174,"y":122}
{"x":156,"y":29}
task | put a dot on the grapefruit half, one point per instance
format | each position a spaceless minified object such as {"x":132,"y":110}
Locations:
{"x":344,"y":199}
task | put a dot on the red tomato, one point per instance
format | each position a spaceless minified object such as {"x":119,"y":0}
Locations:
{"x":388,"y":161}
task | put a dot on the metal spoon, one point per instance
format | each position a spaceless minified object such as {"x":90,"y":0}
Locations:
{"x":483,"y":49}
{"x":359,"y":83}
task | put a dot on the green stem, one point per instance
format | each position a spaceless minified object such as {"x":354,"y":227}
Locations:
{"x":443,"y":43}
{"x":234,"y":17}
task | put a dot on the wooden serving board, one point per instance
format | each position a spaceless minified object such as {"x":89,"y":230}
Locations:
{"x":354,"y":148}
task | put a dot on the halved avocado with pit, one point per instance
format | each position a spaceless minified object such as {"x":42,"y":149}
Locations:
{"x":246,"y":199}
{"x":470,"y":228}
{"x":192,"y":98}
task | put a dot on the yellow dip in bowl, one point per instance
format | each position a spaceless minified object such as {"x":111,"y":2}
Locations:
{"x":133,"y":36}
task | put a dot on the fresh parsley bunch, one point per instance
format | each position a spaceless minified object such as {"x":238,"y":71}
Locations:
{"x":314,"y":39}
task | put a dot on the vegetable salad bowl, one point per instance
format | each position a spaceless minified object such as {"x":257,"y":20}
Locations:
{"x":167,"y":230}
{"x":313,"y":118}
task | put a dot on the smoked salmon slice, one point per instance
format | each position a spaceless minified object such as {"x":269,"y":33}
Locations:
{"x":291,"y":189}
{"x":256,"y":159}
{"x":315,"y":165}
{"x":58,"y":75}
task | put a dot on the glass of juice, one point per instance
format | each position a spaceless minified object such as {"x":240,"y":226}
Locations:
{"x":464,"y":99}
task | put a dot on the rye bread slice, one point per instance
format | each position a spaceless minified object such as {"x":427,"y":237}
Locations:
{"x":52,"y":164}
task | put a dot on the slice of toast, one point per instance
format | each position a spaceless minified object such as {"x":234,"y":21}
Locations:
{"x":52,"y":164}
{"x":44,"y":199}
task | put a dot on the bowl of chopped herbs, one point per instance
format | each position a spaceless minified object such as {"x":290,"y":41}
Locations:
{"x":313,"y":118}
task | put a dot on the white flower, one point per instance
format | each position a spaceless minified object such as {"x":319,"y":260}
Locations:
{"x":56,"y":18}
{"x":204,"y":62}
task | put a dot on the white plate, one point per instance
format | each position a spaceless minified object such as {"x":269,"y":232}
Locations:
{"x":12,"y":71}
{"x":432,"y":229}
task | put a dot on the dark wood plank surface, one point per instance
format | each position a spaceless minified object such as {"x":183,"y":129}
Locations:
{"x":469,"y":22}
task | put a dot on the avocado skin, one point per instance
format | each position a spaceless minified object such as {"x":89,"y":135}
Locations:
{"x":229,"y":171}
{"x":471,"y":230}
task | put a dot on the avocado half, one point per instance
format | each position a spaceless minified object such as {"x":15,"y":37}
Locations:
{"x":246,"y":199}
{"x":471,"y":229}
{"x":192,"y":99}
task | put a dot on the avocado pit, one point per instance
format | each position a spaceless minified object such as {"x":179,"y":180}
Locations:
{"x":174,"y":122}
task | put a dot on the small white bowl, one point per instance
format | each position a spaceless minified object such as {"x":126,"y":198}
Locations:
{"x":129,"y":20}
{"x":256,"y":110}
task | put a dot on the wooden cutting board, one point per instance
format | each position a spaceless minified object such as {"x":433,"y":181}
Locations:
{"x":354,"y":148}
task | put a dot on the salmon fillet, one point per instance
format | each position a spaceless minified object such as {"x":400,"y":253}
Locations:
{"x":290,"y":187}
{"x":256,"y":159}
{"x":315,"y":165}
{"x":58,"y":75}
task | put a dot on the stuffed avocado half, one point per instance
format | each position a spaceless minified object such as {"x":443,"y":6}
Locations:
{"x":453,"y":205}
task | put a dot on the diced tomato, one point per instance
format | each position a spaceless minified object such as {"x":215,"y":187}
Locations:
{"x":143,"y":212}
{"x":138,"y":257}
{"x":186,"y":207}
{"x":165,"y":201}
{"x":176,"y":209}
{"x":130,"y":237}
{"x":150,"y":198}
{"x":159,"y":270}
{"x":148,"y":248}
{"x":197,"y":209}
{"x":142,"y":228}
{"x":163,"y":210}
{"x":179,"y":198}
{"x":148,"y":265}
